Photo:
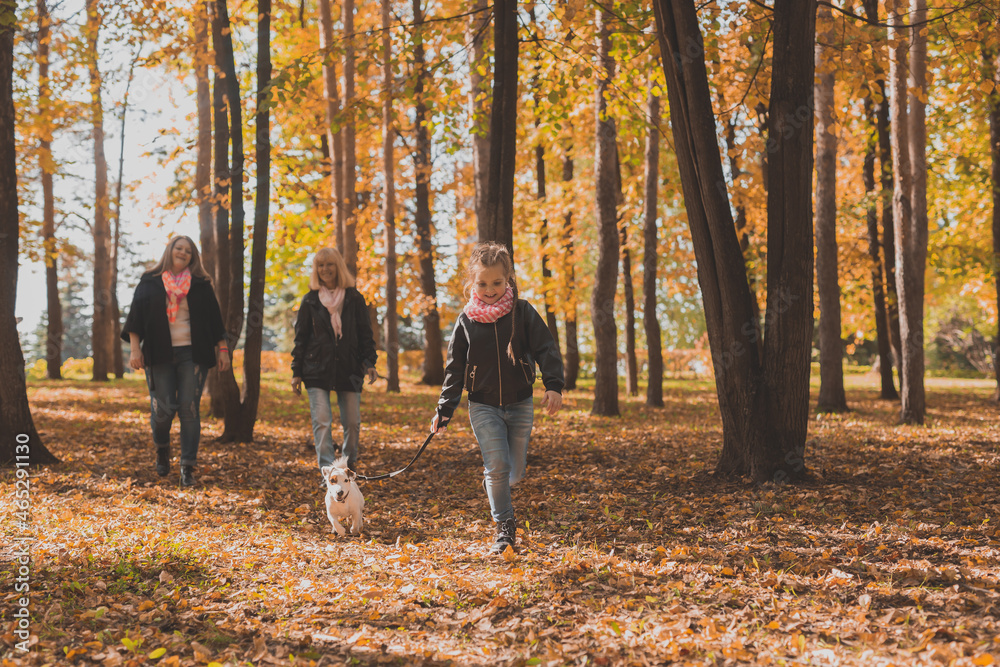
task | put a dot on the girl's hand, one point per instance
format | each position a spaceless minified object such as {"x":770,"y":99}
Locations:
{"x":223,"y":361}
{"x":552,"y":402}
{"x":436,"y":427}
{"x":297,"y":386}
{"x":372,"y":375}
{"x":135,"y":360}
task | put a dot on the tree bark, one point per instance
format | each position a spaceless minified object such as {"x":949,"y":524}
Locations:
{"x":909,"y":256}
{"x":389,"y":208}
{"x":203,"y":161}
{"x":116,"y":320}
{"x":54,"y":327}
{"x":602,"y":300}
{"x":349,"y":159}
{"x":101,"y":330}
{"x":993,"y":67}
{"x":479,"y":91}
{"x":540,"y":194}
{"x":433,"y":355}
{"x":572,"y":360}
{"x":233,"y":427}
{"x":334,"y":138}
{"x":651,"y":324}
{"x":888,"y":386}
{"x":221,"y":199}
{"x":832,"y":397}
{"x":20,"y":444}
{"x":499,"y":225}
{"x":763,"y":385}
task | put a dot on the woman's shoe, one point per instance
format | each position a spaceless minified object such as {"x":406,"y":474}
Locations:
{"x":187,"y":475}
{"x":506,"y":536}
{"x":162,"y":461}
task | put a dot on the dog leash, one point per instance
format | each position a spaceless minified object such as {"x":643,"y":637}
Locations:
{"x":387,"y":475}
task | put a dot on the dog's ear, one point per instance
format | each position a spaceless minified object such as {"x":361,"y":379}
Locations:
{"x":325,"y":471}
{"x":351,"y":475}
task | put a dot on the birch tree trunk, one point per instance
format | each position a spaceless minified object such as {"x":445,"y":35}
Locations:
{"x":333,"y":139}
{"x":20,"y":444}
{"x":349,"y":159}
{"x":433,"y":355}
{"x":654,"y":388}
{"x":602,"y":300}
{"x":54,"y":327}
{"x":101,"y":330}
{"x":389,"y":208}
{"x":831,"y":352}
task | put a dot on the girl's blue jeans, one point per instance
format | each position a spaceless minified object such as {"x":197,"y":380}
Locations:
{"x":349,"y":403}
{"x":175,"y":389}
{"x":503,"y":434}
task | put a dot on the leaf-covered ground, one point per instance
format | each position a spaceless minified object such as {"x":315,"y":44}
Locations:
{"x":631,"y":552}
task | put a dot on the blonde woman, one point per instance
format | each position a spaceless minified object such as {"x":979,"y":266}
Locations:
{"x":334,"y":351}
{"x":174,"y":330}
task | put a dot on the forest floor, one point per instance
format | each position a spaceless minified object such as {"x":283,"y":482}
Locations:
{"x":631,"y":552}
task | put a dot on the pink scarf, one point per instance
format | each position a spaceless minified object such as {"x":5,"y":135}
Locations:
{"x":333,"y":299}
{"x":487,"y":313}
{"x":177,"y":288}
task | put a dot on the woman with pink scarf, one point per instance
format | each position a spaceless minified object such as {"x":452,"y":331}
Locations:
{"x":334,"y":351}
{"x":175,"y":332}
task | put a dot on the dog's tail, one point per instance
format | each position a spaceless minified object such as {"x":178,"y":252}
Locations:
{"x":340,"y":462}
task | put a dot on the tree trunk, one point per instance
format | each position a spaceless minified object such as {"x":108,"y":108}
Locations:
{"x":332,"y":97}
{"x":994,"y":106}
{"x":101,"y":330}
{"x":54,"y":332}
{"x":654,"y":363}
{"x":763,"y":385}
{"x":479,"y":91}
{"x":203,"y":164}
{"x":433,"y":355}
{"x":831,"y":348}
{"x":602,"y":300}
{"x":389,"y":208}
{"x":116,"y":320}
{"x":20,"y":444}
{"x":221,"y":201}
{"x":631,"y":363}
{"x":909,"y":261}
{"x":348,"y":220}
{"x":572,"y":360}
{"x":888,"y":387}
{"x":233,"y":314}
{"x":499,"y":225}
{"x":540,"y":194}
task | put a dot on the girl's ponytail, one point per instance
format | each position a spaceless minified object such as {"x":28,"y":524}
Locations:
{"x":513,"y":319}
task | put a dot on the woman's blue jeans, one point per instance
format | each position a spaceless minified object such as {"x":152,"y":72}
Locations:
{"x":349,"y":403}
{"x":503,"y":434}
{"x":175,"y":389}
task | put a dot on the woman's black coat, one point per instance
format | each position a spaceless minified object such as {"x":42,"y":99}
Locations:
{"x":148,"y":317}
{"x":319,"y":357}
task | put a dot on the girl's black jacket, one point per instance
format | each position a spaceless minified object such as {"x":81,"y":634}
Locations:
{"x":148,"y":317}
{"x":319,"y":357}
{"x":478,"y":360}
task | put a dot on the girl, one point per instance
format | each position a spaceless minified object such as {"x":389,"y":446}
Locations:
{"x":497,"y":341}
{"x":174,"y":330}
{"x":334,"y":350}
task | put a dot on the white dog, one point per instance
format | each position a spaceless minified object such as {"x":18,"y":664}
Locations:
{"x":343,"y":497}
